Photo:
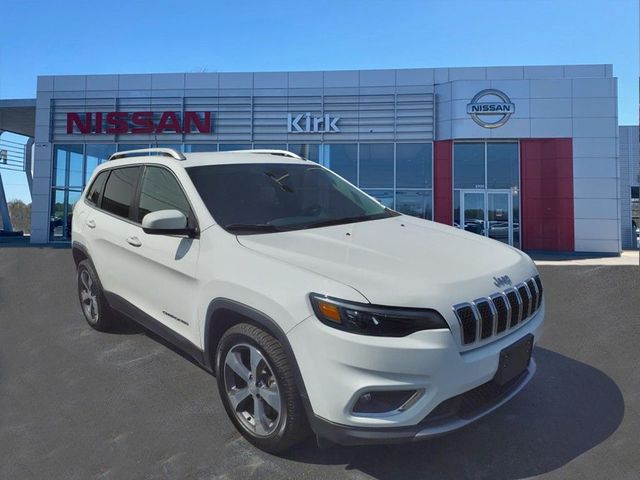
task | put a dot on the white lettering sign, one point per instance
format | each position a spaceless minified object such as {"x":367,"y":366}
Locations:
{"x":305,"y":123}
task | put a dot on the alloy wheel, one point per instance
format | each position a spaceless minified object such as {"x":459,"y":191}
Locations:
{"x":88,"y":297}
{"x":252,"y":389}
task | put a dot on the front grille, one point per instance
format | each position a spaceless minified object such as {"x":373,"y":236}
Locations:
{"x":500,"y":312}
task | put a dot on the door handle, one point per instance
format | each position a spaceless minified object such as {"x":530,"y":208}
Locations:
{"x":91,"y":223}
{"x":133,"y":240}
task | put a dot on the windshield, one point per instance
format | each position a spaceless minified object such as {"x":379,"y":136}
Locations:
{"x":261,"y":198}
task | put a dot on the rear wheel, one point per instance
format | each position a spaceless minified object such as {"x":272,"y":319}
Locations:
{"x":92,"y":300}
{"x":258,"y":389}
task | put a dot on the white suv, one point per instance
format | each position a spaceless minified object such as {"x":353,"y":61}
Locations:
{"x":315,"y":306}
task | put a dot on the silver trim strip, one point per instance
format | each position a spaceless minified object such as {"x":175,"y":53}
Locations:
{"x":476,"y":312}
{"x":535,"y":285}
{"x":507,"y":306}
{"x":519,"y":319}
{"x":476,"y":302}
{"x":528,"y":312}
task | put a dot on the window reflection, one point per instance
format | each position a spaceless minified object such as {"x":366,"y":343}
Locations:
{"x":57,"y":221}
{"x":306,"y":150}
{"x":342,"y":159}
{"x":229,"y":147}
{"x":68,"y":165}
{"x":97,"y":154}
{"x":270,"y":146}
{"x":502,"y":165}
{"x":385,"y":197}
{"x":123,"y":147}
{"x":376,"y":165}
{"x":468,"y":165}
{"x":176,"y":146}
{"x":413,"y":165}
{"x":414,"y":202}
{"x":201,"y":147}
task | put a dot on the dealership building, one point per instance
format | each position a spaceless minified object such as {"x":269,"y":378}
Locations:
{"x":527,"y":155}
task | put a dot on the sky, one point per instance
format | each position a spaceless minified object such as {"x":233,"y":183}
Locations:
{"x":88,"y":37}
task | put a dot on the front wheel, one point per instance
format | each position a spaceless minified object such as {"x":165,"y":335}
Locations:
{"x":258,"y":389}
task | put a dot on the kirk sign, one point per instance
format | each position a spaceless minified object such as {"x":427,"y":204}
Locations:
{"x":305,"y":123}
{"x":122,"y":123}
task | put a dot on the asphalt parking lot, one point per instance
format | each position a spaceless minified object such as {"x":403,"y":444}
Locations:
{"x":78,"y":404}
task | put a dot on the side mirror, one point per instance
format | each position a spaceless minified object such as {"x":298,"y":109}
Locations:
{"x":166,"y":222}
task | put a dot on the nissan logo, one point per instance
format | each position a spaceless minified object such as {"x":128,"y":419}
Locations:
{"x":494,"y":111}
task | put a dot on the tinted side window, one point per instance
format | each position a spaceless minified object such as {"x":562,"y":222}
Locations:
{"x":161,"y":191}
{"x":118,"y":193}
{"x":93,"y":194}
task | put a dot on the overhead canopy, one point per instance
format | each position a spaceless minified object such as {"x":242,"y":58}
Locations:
{"x":18,"y":116}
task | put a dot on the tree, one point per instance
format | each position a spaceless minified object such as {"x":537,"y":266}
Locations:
{"x":20,"y":214}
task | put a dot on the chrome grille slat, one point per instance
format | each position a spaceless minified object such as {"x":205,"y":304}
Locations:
{"x":483,"y":305}
{"x":523,"y":291}
{"x":533,"y":290}
{"x":489,"y":317}
{"x":516,"y":304}
{"x":502,"y":310}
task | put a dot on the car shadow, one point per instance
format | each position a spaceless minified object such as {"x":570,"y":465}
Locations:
{"x":567,"y":409}
{"x":127,"y":326}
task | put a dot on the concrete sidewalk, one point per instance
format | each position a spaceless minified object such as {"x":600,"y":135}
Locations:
{"x":627,"y":258}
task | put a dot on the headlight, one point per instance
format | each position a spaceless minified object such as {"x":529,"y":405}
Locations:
{"x":367,"y":319}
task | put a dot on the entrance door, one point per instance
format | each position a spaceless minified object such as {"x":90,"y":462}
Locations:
{"x":488,"y":213}
{"x":499,"y":223}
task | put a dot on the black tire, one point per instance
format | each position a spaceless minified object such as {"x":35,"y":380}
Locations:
{"x":291,"y":425}
{"x":96,"y":310}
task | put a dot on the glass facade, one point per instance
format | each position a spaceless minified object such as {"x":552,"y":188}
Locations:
{"x":400,"y":175}
{"x":635,"y":215}
{"x":486,"y":189}
{"x":69,"y":177}
{"x":342,"y":158}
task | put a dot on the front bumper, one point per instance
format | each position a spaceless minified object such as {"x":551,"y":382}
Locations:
{"x":337,"y":367}
{"x":451,"y":415}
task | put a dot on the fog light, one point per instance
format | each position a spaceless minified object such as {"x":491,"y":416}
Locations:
{"x":384,"y":401}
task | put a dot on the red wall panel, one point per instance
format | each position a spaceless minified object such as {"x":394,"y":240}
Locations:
{"x":442,"y":181}
{"x":546,"y":179}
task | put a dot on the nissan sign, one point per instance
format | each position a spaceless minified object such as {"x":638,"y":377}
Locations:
{"x":120,"y":123}
{"x":490,"y":108}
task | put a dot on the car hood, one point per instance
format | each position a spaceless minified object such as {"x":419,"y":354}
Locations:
{"x":399,"y":261}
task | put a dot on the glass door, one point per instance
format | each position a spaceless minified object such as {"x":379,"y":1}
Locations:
{"x":472,"y":210}
{"x":488,"y":213}
{"x":500,"y":225}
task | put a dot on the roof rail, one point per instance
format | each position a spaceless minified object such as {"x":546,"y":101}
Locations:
{"x":160,"y":152}
{"x":282,"y":153}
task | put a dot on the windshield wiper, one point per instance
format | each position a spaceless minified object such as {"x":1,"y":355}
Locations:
{"x":252,"y":227}
{"x":279,"y":181}
{"x":340,"y":221}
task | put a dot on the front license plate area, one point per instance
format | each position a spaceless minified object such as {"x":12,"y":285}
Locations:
{"x":514,"y":360}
